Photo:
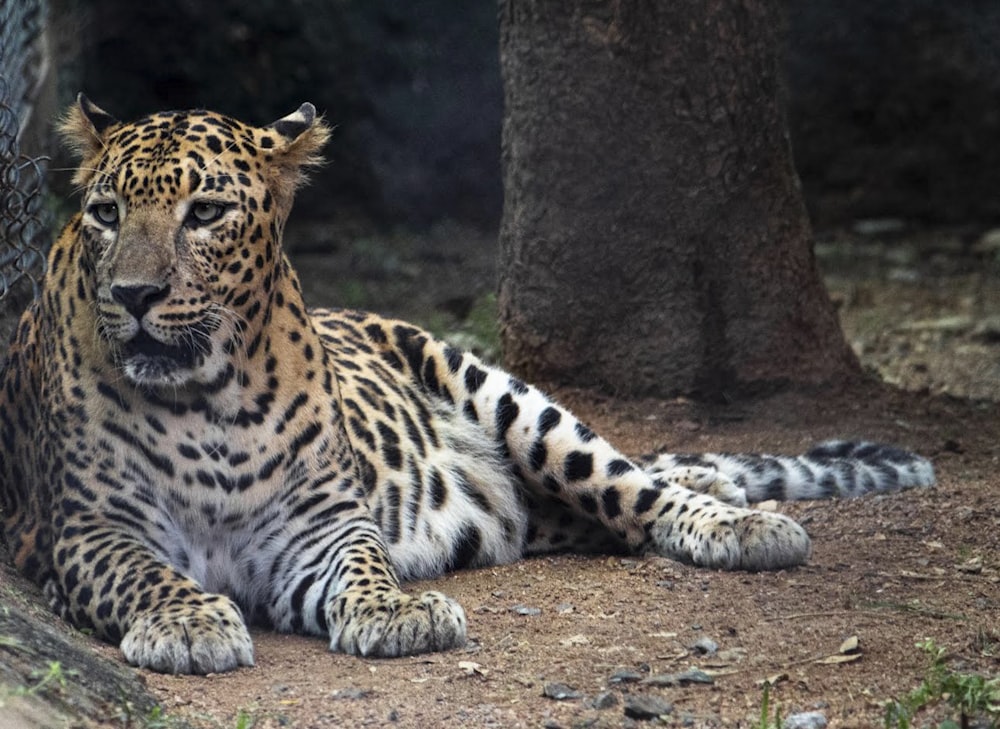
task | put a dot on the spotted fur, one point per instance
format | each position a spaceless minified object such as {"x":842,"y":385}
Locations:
{"x":186,"y":448}
{"x":837,"y":468}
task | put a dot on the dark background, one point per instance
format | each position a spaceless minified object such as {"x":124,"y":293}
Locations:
{"x":895,"y":104}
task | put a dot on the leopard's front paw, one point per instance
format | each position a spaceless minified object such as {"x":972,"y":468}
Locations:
{"x":713,"y":535}
{"x":204,"y":637}
{"x":390,"y":624}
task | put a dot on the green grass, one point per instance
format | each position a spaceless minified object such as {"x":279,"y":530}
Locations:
{"x":53,"y":678}
{"x":968,"y":696}
{"x":478,"y":333}
{"x":9,"y":641}
{"x":765,"y":721}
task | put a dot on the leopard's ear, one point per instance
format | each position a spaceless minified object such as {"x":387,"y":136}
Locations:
{"x":295,"y":145}
{"x":83,"y":128}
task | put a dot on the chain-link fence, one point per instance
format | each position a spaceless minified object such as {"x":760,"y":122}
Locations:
{"x":24,"y":62}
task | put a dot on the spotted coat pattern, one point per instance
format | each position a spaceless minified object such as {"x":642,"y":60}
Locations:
{"x":186,"y":448}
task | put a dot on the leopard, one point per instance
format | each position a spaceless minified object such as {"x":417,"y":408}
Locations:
{"x":188,"y":450}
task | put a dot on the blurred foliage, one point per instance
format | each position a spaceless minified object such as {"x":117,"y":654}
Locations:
{"x":412,"y":89}
{"x":894,"y":108}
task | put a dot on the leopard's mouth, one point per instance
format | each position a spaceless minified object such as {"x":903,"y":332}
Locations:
{"x":143,"y":346}
{"x":147,"y":360}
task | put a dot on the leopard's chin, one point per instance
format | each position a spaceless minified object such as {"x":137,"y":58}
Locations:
{"x":147,"y":371}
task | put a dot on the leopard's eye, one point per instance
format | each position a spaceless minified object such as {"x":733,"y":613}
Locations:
{"x":105,"y":213}
{"x":203,"y":213}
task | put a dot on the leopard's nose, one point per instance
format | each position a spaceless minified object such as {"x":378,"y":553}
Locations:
{"x":138,"y":299}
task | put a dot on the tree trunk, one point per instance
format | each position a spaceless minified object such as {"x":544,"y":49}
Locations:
{"x":654,"y":239}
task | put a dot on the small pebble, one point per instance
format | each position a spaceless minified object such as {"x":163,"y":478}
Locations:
{"x":626,"y":676}
{"x":705,"y":646}
{"x":560,"y":692}
{"x":805,"y":720}
{"x":679,"y":679}
{"x":525,"y":610}
{"x":350,"y":693}
{"x":694,"y":675}
{"x":643,"y":706}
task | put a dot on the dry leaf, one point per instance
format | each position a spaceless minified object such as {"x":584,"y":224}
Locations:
{"x":839,"y":658}
{"x":850,"y":645}
{"x":472,"y":668}
{"x":971,"y":566}
{"x":773,"y":680}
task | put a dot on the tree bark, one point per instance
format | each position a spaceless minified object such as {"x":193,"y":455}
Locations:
{"x":51,"y":676}
{"x":654,"y":239}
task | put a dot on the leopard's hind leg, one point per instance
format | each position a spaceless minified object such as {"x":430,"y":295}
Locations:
{"x":559,"y":458}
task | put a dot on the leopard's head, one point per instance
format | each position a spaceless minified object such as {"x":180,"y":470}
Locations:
{"x":181,"y":229}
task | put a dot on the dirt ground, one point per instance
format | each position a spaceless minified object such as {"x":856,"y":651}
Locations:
{"x":887,"y":570}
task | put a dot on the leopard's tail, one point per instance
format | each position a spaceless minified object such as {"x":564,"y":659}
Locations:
{"x":834,"y":468}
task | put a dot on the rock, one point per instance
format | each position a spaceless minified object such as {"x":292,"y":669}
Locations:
{"x":805,"y":720}
{"x":645,"y":706}
{"x":694,"y":675}
{"x":604,"y":700}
